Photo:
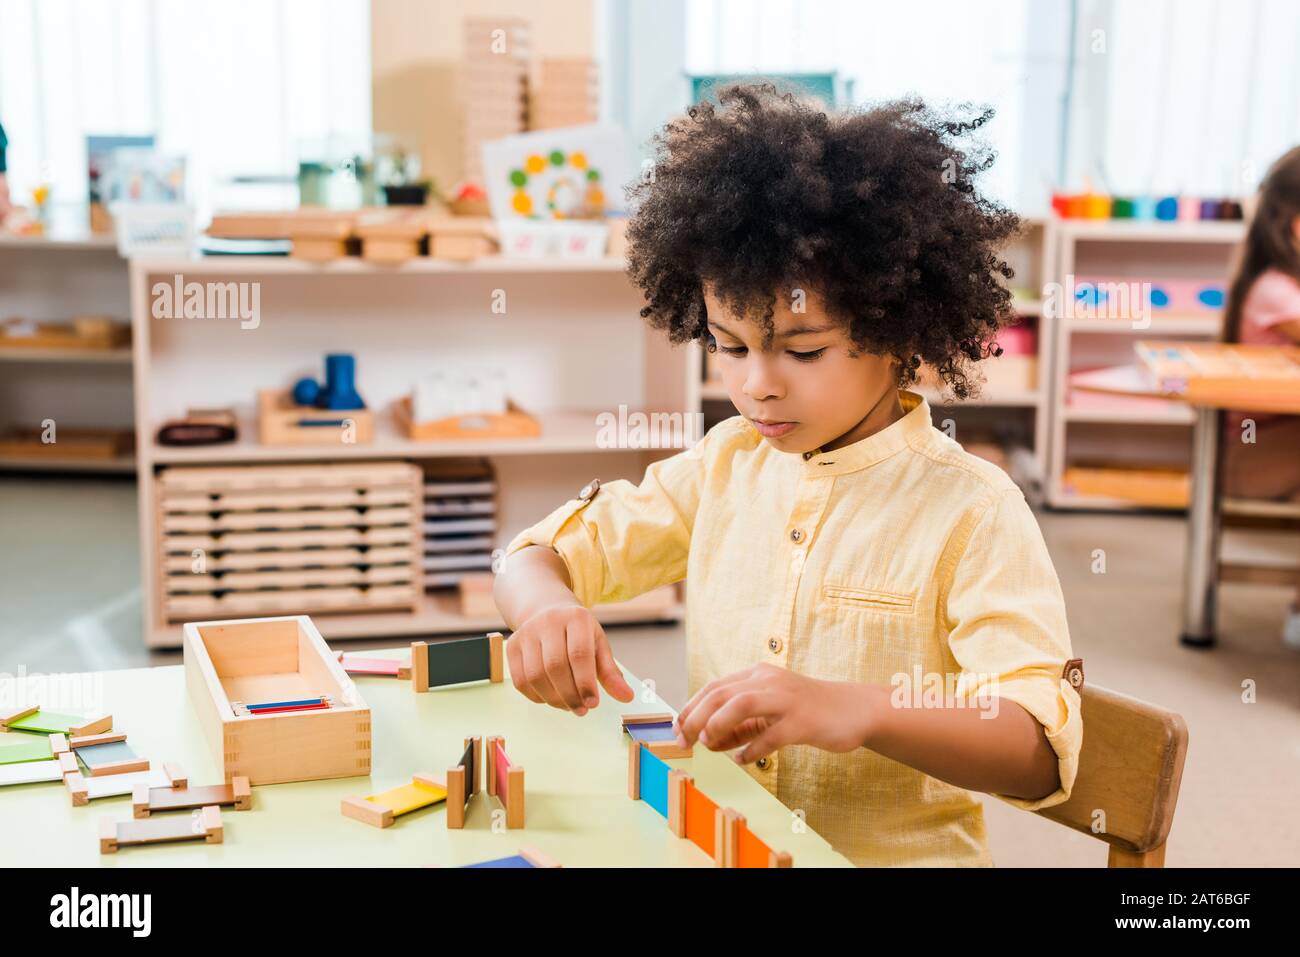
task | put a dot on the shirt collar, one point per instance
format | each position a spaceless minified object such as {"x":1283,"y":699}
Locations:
{"x":913,"y":426}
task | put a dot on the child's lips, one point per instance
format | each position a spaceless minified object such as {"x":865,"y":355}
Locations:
{"x":773,"y":429}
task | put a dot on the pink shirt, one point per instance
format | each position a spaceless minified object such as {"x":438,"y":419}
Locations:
{"x":1273,"y":298}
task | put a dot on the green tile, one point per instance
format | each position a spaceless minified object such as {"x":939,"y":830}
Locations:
{"x":15,"y":748}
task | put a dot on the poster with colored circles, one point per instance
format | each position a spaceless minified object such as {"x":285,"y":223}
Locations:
{"x":564,"y":174}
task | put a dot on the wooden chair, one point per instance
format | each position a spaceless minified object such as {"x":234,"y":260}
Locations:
{"x":1129,"y":768}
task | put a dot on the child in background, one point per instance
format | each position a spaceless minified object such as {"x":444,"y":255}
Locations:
{"x":842,"y":557}
{"x":1264,"y":309}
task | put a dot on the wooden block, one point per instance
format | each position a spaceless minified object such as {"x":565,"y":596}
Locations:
{"x":496,"y":642}
{"x":90,"y":740}
{"x":514,"y":790}
{"x":535,"y":857}
{"x":176,"y":774}
{"x":732,"y":820}
{"x":58,"y":743}
{"x":75,"y":785}
{"x":477,"y":777}
{"x":419,"y":666}
{"x":68,"y":764}
{"x":720,"y":837}
{"x":456,"y":797}
{"x":204,"y":824}
{"x":634,"y":769}
{"x":119,"y":767}
{"x":678,"y":781}
{"x":780,"y":859}
{"x":367,"y":811}
{"x":16,"y":714}
{"x":93,"y":726}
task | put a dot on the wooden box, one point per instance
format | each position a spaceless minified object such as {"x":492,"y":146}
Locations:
{"x":280,"y":422}
{"x":275,"y":659}
{"x":81,"y":445}
{"x":288,"y":539}
{"x":461,"y":237}
{"x":514,"y":423}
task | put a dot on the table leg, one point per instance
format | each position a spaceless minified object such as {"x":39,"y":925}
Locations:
{"x":1200,"y":576}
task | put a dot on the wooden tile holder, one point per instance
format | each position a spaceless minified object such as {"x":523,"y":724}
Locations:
{"x":278,"y":417}
{"x":463,"y":783}
{"x":422,"y":671}
{"x":96,"y":725}
{"x":510,"y":791}
{"x":273,"y":659}
{"x":289,"y":539}
{"x":376,"y":814}
{"x":378,"y":667}
{"x":203,"y":824}
{"x":63,"y":745}
{"x":660,"y":749}
{"x":514,"y":423}
{"x":82,"y":791}
{"x":237,"y":793}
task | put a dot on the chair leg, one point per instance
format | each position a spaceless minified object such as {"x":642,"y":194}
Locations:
{"x":1122,"y":858}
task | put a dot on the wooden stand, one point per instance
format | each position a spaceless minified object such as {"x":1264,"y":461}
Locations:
{"x":203,"y":824}
{"x":32,"y":718}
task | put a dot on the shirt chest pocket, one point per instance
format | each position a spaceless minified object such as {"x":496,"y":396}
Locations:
{"x":842,"y":595}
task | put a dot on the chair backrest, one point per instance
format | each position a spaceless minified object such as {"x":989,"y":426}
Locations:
{"x":1130,"y":767}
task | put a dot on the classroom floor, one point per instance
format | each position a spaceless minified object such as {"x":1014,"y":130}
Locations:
{"x":69,"y":562}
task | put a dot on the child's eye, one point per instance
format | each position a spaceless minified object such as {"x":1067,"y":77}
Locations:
{"x":732,"y":350}
{"x":808,"y":356}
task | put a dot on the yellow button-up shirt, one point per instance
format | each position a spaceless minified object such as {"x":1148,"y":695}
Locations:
{"x":899,"y":559}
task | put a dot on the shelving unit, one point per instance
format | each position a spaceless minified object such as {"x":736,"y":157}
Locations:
{"x":1087,"y":428}
{"x":52,"y":278}
{"x":571,"y":342}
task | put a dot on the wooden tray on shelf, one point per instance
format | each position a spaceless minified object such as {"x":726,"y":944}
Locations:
{"x":279,"y":418}
{"x":515,"y":423}
{"x":85,"y":333}
{"x":88,"y":445}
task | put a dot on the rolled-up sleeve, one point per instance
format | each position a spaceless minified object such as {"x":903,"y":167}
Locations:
{"x":627,"y":539}
{"x":1008,"y":630}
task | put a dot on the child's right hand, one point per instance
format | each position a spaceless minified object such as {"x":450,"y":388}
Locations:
{"x":558,"y":655}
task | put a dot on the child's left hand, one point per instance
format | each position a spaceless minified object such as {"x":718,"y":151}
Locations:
{"x":764,"y":708}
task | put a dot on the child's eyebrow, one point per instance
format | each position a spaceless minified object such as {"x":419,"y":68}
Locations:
{"x":787,"y":334}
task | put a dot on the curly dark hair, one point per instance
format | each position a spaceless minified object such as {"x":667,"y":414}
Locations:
{"x":874,"y":208}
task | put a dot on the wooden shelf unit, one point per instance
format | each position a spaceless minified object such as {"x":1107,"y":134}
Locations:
{"x":52,"y":279}
{"x":1141,"y":431}
{"x":571,"y":342}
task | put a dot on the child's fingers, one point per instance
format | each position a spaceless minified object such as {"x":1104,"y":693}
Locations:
{"x":607,"y":669}
{"x":742,"y":710}
{"x":535,"y":674}
{"x":515,"y":655}
{"x":555,"y":659}
{"x":582,"y":663}
{"x":774,"y":737}
{"x":692,"y":719}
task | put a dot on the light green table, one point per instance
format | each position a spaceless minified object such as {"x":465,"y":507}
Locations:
{"x":577,"y":806}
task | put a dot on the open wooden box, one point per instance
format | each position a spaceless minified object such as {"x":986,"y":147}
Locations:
{"x":275,"y":659}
